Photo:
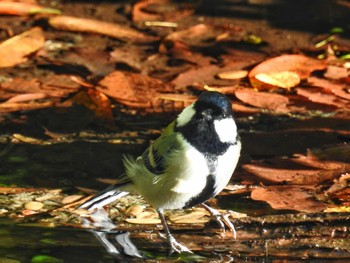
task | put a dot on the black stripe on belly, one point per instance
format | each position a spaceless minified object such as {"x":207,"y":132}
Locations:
{"x":207,"y":193}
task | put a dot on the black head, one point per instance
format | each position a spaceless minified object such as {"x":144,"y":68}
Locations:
{"x":200,"y":123}
{"x":213,"y":105}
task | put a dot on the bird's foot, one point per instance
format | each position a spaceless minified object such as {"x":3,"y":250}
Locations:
{"x":175,"y":247}
{"x":222,"y":220}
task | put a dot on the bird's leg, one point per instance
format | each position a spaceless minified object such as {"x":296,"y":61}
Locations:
{"x":221,"y":219}
{"x":174,"y":245}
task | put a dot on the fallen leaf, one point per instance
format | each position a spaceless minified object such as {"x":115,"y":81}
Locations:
{"x":288,"y":198}
{"x":129,"y":55}
{"x":264,"y":100}
{"x":161,"y":10}
{"x":143,"y":221}
{"x":27,"y":139}
{"x":206,"y":75}
{"x":234,"y":74}
{"x":283,"y":79}
{"x":12,"y":107}
{"x":26,"y":97}
{"x":336,"y":72}
{"x":224,"y":90}
{"x":18,"y":190}
{"x":139,"y":15}
{"x":269,"y":173}
{"x":97,"y":102}
{"x":134,"y":90}
{"x":318,"y":96}
{"x":314,"y":168}
{"x":194,"y":217}
{"x":20,"y":90}
{"x":179,"y":50}
{"x":21,"y":8}
{"x":339,"y":184}
{"x":77,"y":24}
{"x":280,"y":72}
{"x":198,"y":35}
{"x":15,"y":50}
{"x":338,"y":209}
{"x":71,"y":198}
{"x":336,"y":87}
{"x":134,"y":210}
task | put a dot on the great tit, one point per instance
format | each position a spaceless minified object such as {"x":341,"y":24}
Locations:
{"x":191,"y":162}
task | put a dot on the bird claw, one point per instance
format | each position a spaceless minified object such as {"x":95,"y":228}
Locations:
{"x":222,"y":220}
{"x":175,"y":247}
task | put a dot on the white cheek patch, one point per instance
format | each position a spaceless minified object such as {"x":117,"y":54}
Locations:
{"x":226,"y":130}
{"x":186,"y":115}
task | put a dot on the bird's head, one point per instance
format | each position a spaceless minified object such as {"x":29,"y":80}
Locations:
{"x":210,"y":116}
{"x":209,"y":107}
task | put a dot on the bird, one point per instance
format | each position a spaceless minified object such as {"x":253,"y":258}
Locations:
{"x":190,"y":162}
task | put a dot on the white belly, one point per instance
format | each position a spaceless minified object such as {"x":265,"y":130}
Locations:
{"x":185,"y":177}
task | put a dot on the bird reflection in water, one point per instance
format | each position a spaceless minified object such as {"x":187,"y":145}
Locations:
{"x":117,"y":243}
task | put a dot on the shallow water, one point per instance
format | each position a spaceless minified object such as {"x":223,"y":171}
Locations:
{"x":25,"y":243}
{"x":34,"y":243}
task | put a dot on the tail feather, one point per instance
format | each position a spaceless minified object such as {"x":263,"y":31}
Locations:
{"x":104,"y":197}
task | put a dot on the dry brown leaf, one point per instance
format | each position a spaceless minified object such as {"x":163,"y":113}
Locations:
{"x":194,"y":217}
{"x":224,"y":90}
{"x":337,"y":88}
{"x":19,"y":90}
{"x":234,"y":74}
{"x":15,"y":50}
{"x":287,"y":66}
{"x":181,"y":51}
{"x":96,"y":101}
{"x":26,"y":97}
{"x":197,"y":35}
{"x":336,"y":72}
{"x":339,"y":184}
{"x":206,"y":75}
{"x":71,"y":198}
{"x":288,"y":198}
{"x":143,"y":221}
{"x":129,"y":55}
{"x":18,"y":190}
{"x":21,"y":8}
{"x":134,"y":90}
{"x":318,"y":166}
{"x":77,"y":24}
{"x":269,"y":173}
{"x":12,"y":107}
{"x":318,"y":96}
{"x":161,"y":10}
{"x":283,"y":79}
{"x":139,"y":15}
{"x":264,"y":100}
{"x":134,"y":210}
